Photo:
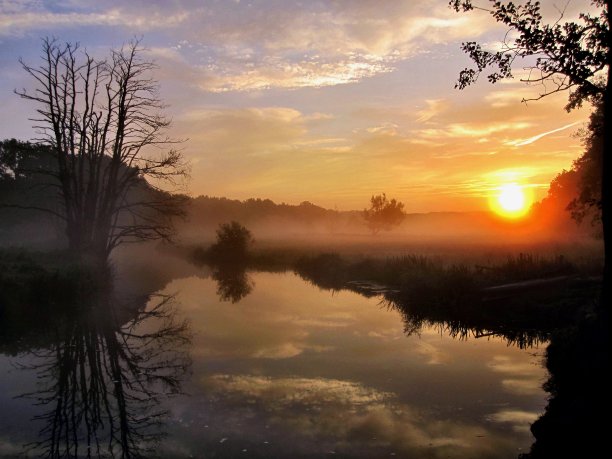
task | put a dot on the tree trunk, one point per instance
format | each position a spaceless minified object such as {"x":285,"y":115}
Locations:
{"x":606,"y":195}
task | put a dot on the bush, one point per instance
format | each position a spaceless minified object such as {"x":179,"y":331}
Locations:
{"x":233,"y":243}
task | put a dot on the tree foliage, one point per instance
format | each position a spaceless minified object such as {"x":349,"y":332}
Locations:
{"x":233,"y":243}
{"x":587,"y":203}
{"x":578,"y":190}
{"x":563,"y":56}
{"x":573,"y":56}
{"x":27,"y":187}
{"x":102,"y":120}
{"x":383,"y":214}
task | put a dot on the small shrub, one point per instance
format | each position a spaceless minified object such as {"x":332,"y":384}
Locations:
{"x":233,"y":243}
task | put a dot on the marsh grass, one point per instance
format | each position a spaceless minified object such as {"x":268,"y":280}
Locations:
{"x":414,"y":270}
{"x":453,"y":296}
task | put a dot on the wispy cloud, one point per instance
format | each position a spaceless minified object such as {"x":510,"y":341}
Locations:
{"x":277,"y":72}
{"x":243,"y":47}
{"x":296,"y":45}
{"x":535,"y":138}
{"x":471,"y":130}
{"x":19,"y":22}
{"x":433,"y":107}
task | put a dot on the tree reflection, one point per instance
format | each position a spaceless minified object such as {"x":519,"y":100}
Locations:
{"x":233,"y":281}
{"x":104,"y":374}
{"x":415,"y":318}
{"x":575,"y":421}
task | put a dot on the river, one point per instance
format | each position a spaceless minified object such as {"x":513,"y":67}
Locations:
{"x":270,"y":366}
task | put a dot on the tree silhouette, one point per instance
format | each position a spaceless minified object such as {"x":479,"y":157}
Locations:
{"x":233,"y":243}
{"x":573,"y":56}
{"x":29,"y":205}
{"x":588,"y":202}
{"x":578,"y":190}
{"x":102,"y":120}
{"x":233,"y":281}
{"x":103,"y":375}
{"x":383,"y":214}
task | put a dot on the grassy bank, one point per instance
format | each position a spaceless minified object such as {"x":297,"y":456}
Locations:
{"x":537,"y":293}
{"x":523,"y":296}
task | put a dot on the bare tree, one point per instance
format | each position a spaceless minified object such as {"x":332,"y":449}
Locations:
{"x":103,"y":121}
{"x":104,"y":376}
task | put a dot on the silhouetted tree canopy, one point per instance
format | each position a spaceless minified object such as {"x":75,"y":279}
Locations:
{"x":102,"y":121}
{"x":588,"y":202}
{"x":578,"y":190}
{"x":30,"y":205}
{"x":233,"y":243}
{"x":573,"y":56}
{"x":568,"y":55}
{"x":383,"y":214}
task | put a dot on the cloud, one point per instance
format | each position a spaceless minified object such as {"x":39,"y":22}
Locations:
{"x":469,"y":130}
{"x":287,"y":327}
{"x":16,"y":22}
{"x":509,"y":97}
{"x":10,"y":448}
{"x":251,"y":131}
{"x":433,"y":108}
{"x":434,"y":355}
{"x":523,"y":142}
{"x":279,"y":392}
{"x":523,"y":386}
{"x":296,"y":45}
{"x":274,"y":72}
{"x":244,"y":47}
{"x":287,"y":154}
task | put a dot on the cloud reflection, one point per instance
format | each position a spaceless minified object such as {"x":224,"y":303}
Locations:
{"x":350,"y":418}
{"x":522,"y":378}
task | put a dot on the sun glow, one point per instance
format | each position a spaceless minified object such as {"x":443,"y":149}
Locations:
{"x":511,"y":201}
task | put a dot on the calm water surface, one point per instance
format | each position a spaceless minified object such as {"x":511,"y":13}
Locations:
{"x":291,"y":370}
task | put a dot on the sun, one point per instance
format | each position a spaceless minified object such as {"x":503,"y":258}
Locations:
{"x":511,"y":201}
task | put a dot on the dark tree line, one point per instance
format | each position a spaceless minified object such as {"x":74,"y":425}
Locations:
{"x":26,"y":188}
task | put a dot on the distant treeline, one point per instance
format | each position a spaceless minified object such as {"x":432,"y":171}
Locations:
{"x":205,"y":213}
{"x":33,"y":210}
{"x":30,"y":203}
{"x":269,"y":220}
{"x":252,"y":210}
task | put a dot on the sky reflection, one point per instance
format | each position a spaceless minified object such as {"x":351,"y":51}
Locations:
{"x":294,"y":368}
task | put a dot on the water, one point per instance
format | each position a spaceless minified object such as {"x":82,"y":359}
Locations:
{"x":291,"y":370}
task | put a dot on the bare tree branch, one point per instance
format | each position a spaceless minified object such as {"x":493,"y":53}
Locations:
{"x":103,"y":120}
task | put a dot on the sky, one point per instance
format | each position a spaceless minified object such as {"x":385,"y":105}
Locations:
{"x":322,"y":101}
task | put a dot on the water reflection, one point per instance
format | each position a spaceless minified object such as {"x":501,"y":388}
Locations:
{"x":575,"y":421}
{"x":416,"y":318}
{"x":233,"y":282}
{"x":459,"y":318}
{"x":102,"y":374}
{"x":311,"y":372}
